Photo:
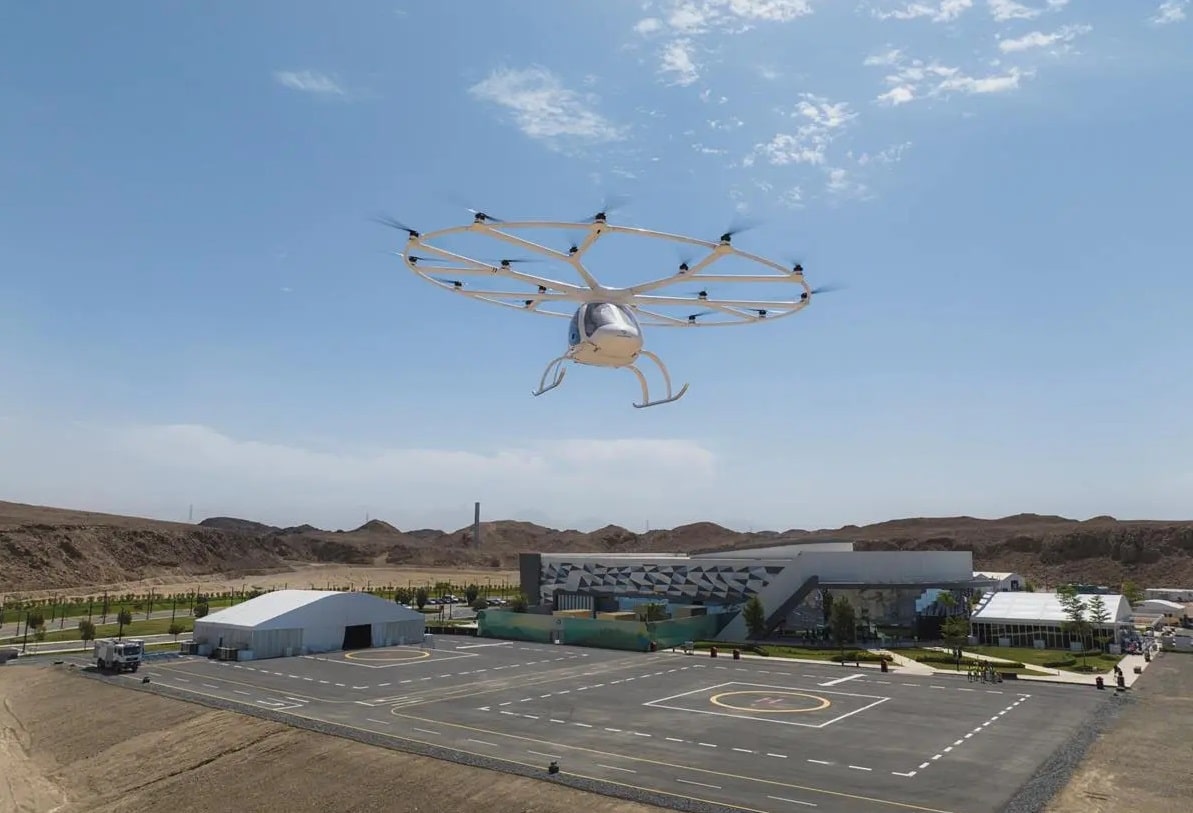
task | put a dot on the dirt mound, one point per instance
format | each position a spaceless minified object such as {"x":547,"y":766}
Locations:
{"x":46,"y":548}
{"x":147,"y":752}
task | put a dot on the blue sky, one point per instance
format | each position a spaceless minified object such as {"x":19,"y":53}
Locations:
{"x":197,"y":309}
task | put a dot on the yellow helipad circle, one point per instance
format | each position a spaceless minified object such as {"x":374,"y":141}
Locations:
{"x":388,"y":657}
{"x":822,"y":703}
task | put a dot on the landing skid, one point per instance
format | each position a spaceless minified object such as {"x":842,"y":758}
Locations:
{"x":556,"y":371}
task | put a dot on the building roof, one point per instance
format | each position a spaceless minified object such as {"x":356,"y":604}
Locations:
{"x":992,"y":574}
{"x":1033,"y":608}
{"x":1159,"y":603}
{"x":279,"y":608}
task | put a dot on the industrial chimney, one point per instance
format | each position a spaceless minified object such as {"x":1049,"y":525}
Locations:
{"x":476,"y":525}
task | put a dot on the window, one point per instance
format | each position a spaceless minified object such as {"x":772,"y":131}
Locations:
{"x":599,"y":315}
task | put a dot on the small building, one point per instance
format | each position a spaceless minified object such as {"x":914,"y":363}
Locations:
{"x":1038,"y":619}
{"x":1173,"y":613}
{"x":1001,"y":581}
{"x":1181,"y":594}
{"x":285,"y":623}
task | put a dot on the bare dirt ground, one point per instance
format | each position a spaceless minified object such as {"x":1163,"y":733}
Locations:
{"x":144,"y":752}
{"x":1142,"y":764}
{"x":305,"y":577}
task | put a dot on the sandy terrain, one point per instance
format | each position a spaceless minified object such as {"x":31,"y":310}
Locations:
{"x":303,"y":576}
{"x":1142,"y":764}
{"x":143,"y":752}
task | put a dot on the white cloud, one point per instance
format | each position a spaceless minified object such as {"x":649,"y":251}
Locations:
{"x":1170,"y":11}
{"x":890,"y":155}
{"x":1005,"y":10}
{"x":914,"y":79}
{"x":159,"y":469}
{"x":1038,"y":39}
{"x":819,"y":124}
{"x":841,"y":185}
{"x":889,"y":57}
{"x":945,"y":11}
{"x":678,"y":63}
{"x":685,"y":19}
{"x":543,"y":108}
{"x":309,"y":81}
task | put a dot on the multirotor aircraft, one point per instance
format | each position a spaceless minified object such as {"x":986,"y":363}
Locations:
{"x":606,"y":328}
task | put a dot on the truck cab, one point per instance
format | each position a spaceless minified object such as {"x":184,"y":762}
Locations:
{"x":119,"y":655}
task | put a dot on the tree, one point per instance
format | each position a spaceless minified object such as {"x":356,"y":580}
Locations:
{"x":480,"y":603}
{"x":471,"y":591}
{"x":955,"y":632}
{"x":200,"y":609}
{"x":420,"y":597}
{"x":1099,"y":616}
{"x":39,"y":633}
{"x":176,"y":629}
{"x":35,"y":619}
{"x":123,"y":618}
{"x":518,"y":603}
{"x":86,"y":631}
{"x":843,"y":622}
{"x":755,"y":617}
{"x":1132,"y":592}
{"x":403,"y":595}
{"x":1074,"y":608}
{"x":947,"y":601}
{"x":654,"y":611}
{"x":826,"y":605}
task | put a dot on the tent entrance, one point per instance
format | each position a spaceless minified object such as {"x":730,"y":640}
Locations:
{"x":358,"y":636}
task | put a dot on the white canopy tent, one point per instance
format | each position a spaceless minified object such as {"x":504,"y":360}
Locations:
{"x":297,"y":622}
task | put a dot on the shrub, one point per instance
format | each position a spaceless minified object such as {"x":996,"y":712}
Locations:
{"x":1061,"y":663}
{"x":948,"y":660}
{"x":859,"y":655}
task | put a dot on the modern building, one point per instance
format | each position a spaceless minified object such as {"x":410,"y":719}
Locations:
{"x":892,"y":588}
{"x":1038,"y":619}
{"x":300,"y":622}
{"x":1172,"y":613}
{"x":1001,"y":581}
{"x":1181,"y":594}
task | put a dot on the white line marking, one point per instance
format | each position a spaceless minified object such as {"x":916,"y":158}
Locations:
{"x":707,"y":744}
{"x":209,"y":686}
{"x":820,"y":762}
{"x":182,"y":680}
{"x":840,"y":680}
{"x":778,"y":756}
{"x":614,"y":730}
{"x":744,"y":750}
{"x":673,"y":739}
{"x":923,"y":765}
{"x":791,"y":801}
{"x":701,"y":784}
{"x":582,"y":725}
{"x":379,"y":722}
{"x":240,"y":691}
{"x":936,"y":757}
{"x":900,"y":773}
{"x":860,"y":768}
{"x":950,"y":748}
{"x":615,"y":768}
{"x":478,"y":646}
{"x":640,"y":734}
{"x":482,"y":742}
{"x":429,"y":731}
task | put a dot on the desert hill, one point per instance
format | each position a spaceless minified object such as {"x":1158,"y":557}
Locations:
{"x":47,"y":548}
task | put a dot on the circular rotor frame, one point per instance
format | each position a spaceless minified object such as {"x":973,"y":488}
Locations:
{"x":428,"y":260}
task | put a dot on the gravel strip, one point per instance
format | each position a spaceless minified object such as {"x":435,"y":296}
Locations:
{"x":395,"y":743}
{"x":1054,"y":775}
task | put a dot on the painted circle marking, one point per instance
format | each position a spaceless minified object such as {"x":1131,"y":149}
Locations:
{"x":821,"y":703}
{"x":387,"y":657}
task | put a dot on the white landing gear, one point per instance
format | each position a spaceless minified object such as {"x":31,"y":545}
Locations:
{"x":556,"y":372}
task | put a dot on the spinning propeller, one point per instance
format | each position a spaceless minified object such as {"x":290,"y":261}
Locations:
{"x":385,"y":220}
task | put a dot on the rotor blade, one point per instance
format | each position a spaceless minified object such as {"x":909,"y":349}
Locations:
{"x":385,"y":220}
{"x":692,"y":317}
{"x":455,"y":283}
{"x":610,"y":204}
{"x":739,"y":225}
{"x":824,"y":289}
{"x":484,"y":217}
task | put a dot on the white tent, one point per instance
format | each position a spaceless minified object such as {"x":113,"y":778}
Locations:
{"x":1038,"y":619}
{"x":296,"y":622}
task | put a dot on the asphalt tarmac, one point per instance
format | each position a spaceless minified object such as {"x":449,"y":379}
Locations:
{"x":758,"y":735}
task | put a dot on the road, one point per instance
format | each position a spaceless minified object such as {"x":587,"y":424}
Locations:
{"x":750,"y":735}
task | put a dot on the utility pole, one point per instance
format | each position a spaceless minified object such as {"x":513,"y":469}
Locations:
{"x":476,"y":525}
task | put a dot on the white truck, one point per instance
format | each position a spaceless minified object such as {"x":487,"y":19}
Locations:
{"x":119,"y":655}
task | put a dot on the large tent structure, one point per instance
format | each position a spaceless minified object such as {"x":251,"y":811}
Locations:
{"x":1039,"y":619}
{"x":299,"y":622}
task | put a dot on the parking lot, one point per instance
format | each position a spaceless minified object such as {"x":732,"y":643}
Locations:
{"x":756,"y":734}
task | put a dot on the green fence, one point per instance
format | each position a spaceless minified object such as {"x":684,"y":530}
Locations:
{"x":633,"y":635}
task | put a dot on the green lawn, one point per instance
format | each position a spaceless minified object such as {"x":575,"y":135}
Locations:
{"x":1039,"y":657}
{"x":154,"y":626}
{"x":772,"y":650}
